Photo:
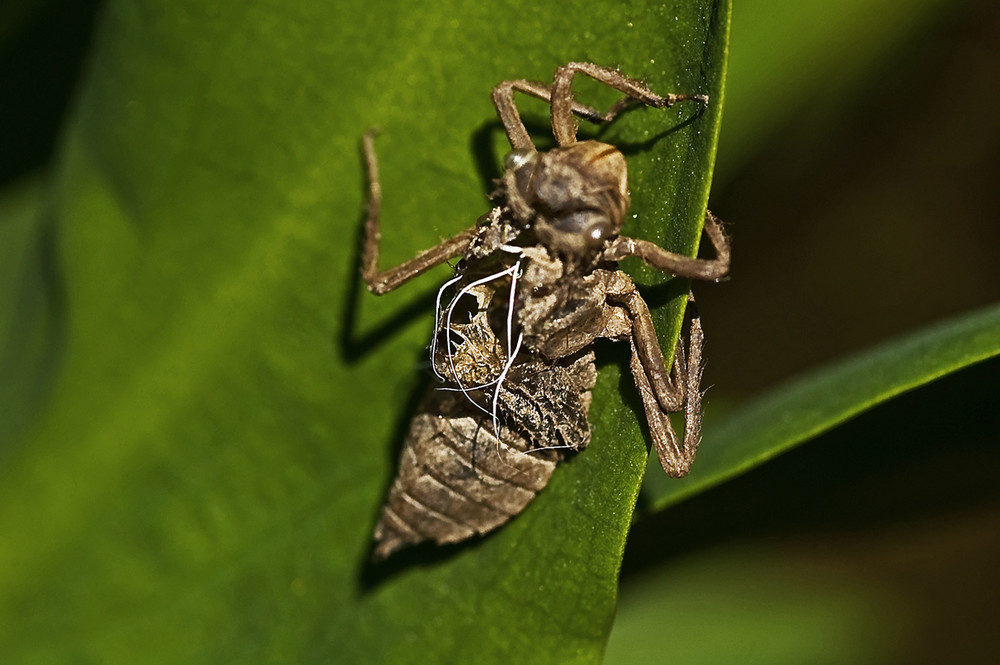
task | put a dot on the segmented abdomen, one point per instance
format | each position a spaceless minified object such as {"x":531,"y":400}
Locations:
{"x":482,"y":446}
{"x":455,"y":478}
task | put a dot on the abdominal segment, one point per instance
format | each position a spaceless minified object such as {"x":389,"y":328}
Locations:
{"x":457,"y":478}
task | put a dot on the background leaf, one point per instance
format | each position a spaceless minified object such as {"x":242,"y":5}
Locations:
{"x":815,"y":403}
{"x":200,"y":482}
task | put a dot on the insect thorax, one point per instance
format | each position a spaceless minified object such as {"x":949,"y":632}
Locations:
{"x":571,"y":199}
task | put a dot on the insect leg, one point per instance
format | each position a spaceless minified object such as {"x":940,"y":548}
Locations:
{"x":663,"y":393}
{"x":503,"y":100}
{"x":668,"y":387}
{"x":563,"y":126}
{"x":675,"y":456}
{"x":383,"y":281}
{"x":678,"y":264}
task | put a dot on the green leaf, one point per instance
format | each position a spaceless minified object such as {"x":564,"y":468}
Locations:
{"x":819,"y":401}
{"x":27,"y":312}
{"x":200,"y":481}
{"x":754,"y":604}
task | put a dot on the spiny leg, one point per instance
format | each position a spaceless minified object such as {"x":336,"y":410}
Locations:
{"x":668,"y":387}
{"x":563,"y":126}
{"x":664,"y":393}
{"x":383,"y":281}
{"x":517,"y":134}
{"x":678,"y":264}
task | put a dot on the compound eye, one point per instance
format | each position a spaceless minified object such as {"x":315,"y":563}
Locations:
{"x":593,"y":226}
{"x":517,"y":158}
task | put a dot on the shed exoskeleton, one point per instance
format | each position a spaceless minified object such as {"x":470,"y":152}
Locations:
{"x":538,"y":281}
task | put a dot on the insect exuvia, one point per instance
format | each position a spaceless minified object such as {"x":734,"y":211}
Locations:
{"x":537,"y":283}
